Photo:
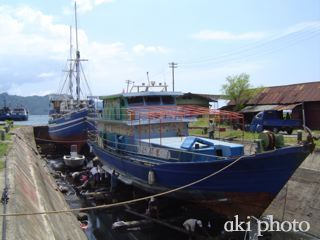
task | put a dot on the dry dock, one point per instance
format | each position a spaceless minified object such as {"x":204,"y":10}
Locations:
{"x":300,"y":197}
{"x":32,"y":189}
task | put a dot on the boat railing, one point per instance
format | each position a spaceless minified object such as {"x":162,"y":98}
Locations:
{"x":150,"y":151}
{"x":165,"y":112}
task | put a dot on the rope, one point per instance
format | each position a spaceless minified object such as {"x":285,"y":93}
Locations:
{"x":128,"y":201}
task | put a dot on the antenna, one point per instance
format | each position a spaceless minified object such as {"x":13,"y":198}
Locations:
{"x":148,"y":78}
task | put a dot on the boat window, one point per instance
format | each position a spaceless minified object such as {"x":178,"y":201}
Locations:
{"x":122,"y":102}
{"x":198,"y":145}
{"x":154,"y":100}
{"x":167,"y":100}
{"x":18,"y":110}
{"x":135,"y":101}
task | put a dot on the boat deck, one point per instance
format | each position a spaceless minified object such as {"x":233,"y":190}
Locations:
{"x":176,"y":142}
{"x":206,"y":146}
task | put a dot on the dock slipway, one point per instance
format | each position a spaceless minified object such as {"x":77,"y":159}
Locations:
{"x":33,"y":189}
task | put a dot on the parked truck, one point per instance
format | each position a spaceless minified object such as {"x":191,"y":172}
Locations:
{"x":274,"y":120}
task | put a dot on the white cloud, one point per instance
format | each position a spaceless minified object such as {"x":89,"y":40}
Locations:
{"x":223,"y":35}
{"x":98,"y":2}
{"x":213,"y":77}
{"x":229,"y":36}
{"x":141,"y":49}
{"x":303,"y":26}
{"x":25,"y":31}
{"x":34,"y":50}
{"x":84,"y":5}
{"x":46,"y":74}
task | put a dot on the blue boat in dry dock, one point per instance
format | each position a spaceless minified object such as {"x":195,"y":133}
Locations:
{"x":143,"y":139}
{"x":69,"y":110}
{"x":70,"y":127}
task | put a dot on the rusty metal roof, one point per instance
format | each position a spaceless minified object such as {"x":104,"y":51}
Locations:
{"x":259,"y":108}
{"x":288,"y":94}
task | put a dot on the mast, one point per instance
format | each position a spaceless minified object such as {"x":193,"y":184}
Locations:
{"x":77,"y":61}
{"x":70,"y":64}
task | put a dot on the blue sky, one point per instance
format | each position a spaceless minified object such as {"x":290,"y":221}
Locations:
{"x":275,"y":42}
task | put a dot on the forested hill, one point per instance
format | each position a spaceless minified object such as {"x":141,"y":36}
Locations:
{"x":36,"y":105}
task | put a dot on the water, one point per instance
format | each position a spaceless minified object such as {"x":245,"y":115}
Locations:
{"x":34,"y":120}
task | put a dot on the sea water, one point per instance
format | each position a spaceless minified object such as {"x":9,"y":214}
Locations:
{"x":34,"y":120}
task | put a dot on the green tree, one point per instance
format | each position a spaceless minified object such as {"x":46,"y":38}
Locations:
{"x":238,"y":90}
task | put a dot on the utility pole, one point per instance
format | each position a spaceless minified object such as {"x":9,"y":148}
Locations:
{"x":173,"y":65}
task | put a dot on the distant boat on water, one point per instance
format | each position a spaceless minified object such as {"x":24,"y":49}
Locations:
{"x":68,"y":123}
{"x":16,"y":114}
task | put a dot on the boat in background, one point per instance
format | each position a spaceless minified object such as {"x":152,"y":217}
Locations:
{"x":68,"y":123}
{"x":143,"y":139}
{"x":17,"y":114}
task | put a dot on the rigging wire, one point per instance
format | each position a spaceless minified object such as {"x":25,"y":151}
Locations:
{"x":252,"y":53}
{"x":257,"y":45}
{"x":86,"y":80}
{"x":276,"y":43}
{"x":238,"y":59}
{"x":62,"y":81}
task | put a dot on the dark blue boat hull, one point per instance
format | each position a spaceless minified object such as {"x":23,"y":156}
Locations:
{"x":5,"y":117}
{"x":245,"y":188}
{"x":71,"y":128}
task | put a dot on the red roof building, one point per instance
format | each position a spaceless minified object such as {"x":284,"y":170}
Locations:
{"x":303,"y":99}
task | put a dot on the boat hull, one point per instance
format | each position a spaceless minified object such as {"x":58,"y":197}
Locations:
{"x":14,"y":117}
{"x":71,"y":129}
{"x":245,"y":188}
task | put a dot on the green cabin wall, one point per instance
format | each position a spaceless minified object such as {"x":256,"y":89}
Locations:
{"x":192,"y":100}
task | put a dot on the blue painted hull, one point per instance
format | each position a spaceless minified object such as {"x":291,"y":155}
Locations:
{"x":70,"y":128}
{"x":12,"y":117}
{"x":246,"y":188}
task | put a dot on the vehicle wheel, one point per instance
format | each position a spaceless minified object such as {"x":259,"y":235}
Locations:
{"x":289,"y":131}
{"x":259,"y":128}
{"x":275,"y":130}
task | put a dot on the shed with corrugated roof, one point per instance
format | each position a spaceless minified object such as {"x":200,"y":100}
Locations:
{"x":302,"y":99}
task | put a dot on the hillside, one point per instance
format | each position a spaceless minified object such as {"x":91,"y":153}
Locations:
{"x":36,"y":105}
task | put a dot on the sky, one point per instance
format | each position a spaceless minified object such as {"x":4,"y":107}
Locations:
{"x":275,"y":42}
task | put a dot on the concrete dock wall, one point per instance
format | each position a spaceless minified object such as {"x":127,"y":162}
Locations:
{"x":32,"y":189}
{"x":300,"y":198}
